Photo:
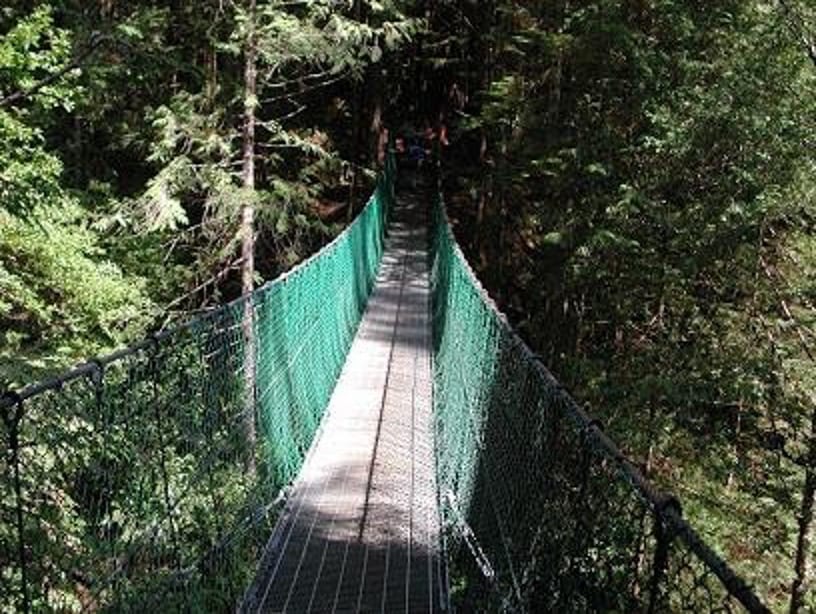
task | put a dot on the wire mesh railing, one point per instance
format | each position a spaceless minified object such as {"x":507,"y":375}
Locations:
{"x":134,"y":481}
{"x":541,"y":511}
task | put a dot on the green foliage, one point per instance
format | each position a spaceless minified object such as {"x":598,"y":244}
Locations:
{"x":120,"y":134}
{"x":62,"y":297}
{"x":196,"y":143}
{"x":29,"y":51}
{"x":644,"y":187}
{"x":639,"y":195}
{"x":33,"y":49}
{"x":120,"y":146}
{"x":135,"y":487}
{"x":30,"y":175}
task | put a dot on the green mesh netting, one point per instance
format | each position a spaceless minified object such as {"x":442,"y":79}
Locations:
{"x":305,"y":324}
{"x":128,"y":483}
{"x":540,"y":511}
{"x":150,"y":478}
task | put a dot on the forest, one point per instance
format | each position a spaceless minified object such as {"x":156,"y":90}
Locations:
{"x":634,"y":181}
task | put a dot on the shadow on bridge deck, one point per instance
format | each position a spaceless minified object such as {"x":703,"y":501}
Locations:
{"x":360,"y":531}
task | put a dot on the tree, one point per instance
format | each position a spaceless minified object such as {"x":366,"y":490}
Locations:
{"x":248,"y":223}
{"x":310,"y":45}
{"x":63,"y":296}
{"x":636,"y":161}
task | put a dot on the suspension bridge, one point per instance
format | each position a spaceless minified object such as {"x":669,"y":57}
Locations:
{"x":365,"y":433}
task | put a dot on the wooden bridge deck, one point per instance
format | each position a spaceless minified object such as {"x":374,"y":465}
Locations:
{"x":360,"y":531}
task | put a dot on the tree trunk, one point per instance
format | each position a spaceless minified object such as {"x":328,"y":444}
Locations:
{"x":355,"y":151}
{"x":378,"y":141}
{"x":247,"y":231}
{"x":799,"y":587}
{"x":357,"y":111}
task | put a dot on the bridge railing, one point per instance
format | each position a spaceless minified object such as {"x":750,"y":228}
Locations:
{"x":131,"y":482}
{"x":541,"y":511}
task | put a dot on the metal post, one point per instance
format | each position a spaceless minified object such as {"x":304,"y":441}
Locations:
{"x":153,"y":368}
{"x":660,"y":562}
{"x":12,"y":416}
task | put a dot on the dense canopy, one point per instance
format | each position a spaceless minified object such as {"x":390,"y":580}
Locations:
{"x":633,"y":180}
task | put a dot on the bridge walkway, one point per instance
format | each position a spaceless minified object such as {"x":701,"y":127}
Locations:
{"x":360,"y":531}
